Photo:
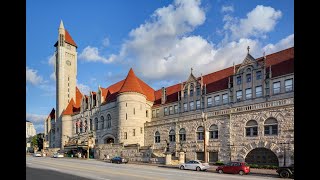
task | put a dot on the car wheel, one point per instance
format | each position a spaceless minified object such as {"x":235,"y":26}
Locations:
{"x":220,"y":171}
{"x":182,"y":167}
{"x":118,"y":162}
{"x":198,"y":169}
{"x":241,"y":173}
{"x":284,"y":174}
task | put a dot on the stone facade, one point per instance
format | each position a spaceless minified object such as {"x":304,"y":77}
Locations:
{"x":244,"y":111}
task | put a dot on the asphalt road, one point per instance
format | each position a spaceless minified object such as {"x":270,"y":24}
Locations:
{"x":66,"y":168}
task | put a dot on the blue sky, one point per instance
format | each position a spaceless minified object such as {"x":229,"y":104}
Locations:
{"x":160,"y":39}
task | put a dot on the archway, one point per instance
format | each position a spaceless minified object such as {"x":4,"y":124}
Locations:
{"x":108,"y":140}
{"x":262,"y":156}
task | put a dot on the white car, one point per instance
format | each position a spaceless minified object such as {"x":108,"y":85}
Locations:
{"x":57,"y":155}
{"x":37,"y":154}
{"x":195,"y":165}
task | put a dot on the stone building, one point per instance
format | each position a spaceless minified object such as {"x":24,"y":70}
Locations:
{"x":30,"y":130}
{"x":244,"y":112}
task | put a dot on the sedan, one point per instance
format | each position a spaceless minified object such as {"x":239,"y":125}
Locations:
{"x":37,"y":154}
{"x":119,"y":160}
{"x":195,"y":165}
{"x":57,"y":155}
{"x":234,"y":168}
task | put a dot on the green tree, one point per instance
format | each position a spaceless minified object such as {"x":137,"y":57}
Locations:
{"x":34,"y":141}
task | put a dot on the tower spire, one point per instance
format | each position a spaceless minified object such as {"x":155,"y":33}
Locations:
{"x":61,"y":25}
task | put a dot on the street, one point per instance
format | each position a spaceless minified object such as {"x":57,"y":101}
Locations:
{"x":61,"y":168}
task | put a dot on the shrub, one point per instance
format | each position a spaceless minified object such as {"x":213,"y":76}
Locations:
{"x":219,"y":163}
{"x":253,"y":166}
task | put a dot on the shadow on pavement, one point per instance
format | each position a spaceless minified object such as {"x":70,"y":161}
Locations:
{"x":40,"y":174}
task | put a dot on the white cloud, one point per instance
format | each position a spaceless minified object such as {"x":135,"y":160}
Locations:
{"x":105,"y":42}
{"x":53,"y":76}
{"x":282,"y":44}
{"x":51,"y":59}
{"x":36,"y":118}
{"x":91,"y":54}
{"x":227,"y":9}
{"x":32,"y":77}
{"x":84,"y":89}
{"x":259,"y":21}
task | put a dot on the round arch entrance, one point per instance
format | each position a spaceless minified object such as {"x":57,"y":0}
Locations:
{"x":108,"y":140}
{"x":262,"y":156}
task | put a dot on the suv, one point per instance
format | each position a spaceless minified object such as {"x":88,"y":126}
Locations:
{"x":234,"y":167}
{"x":286,"y":172}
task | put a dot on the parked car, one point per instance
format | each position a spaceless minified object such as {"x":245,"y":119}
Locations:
{"x":286,"y":172}
{"x":37,"y":154}
{"x":119,"y":160}
{"x":57,"y":155}
{"x":234,"y":168}
{"x":195,"y":165}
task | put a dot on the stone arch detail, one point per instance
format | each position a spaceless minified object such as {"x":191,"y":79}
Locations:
{"x":107,"y":136}
{"x":243,"y":152}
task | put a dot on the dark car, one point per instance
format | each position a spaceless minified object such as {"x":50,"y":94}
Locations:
{"x":119,"y":160}
{"x":234,"y":168}
{"x":286,"y":172}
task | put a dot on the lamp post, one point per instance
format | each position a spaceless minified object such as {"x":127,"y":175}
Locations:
{"x":204,"y":118}
{"x":284,"y":153}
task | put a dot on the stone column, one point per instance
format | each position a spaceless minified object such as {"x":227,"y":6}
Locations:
{"x":168,"y":158}
{"x":181,"y":157}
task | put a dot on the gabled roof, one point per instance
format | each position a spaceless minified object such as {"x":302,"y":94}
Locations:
{"x":131,"y":84}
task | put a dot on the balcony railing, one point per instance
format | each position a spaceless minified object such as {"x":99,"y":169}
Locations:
{"x":258,"y":106}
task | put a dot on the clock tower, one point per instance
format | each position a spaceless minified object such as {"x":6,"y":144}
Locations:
{"x":66,"y":74}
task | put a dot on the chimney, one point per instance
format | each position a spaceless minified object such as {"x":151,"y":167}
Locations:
{"x":163,"y":95}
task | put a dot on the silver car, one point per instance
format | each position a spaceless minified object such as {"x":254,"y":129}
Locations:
{"x":195,"y":165}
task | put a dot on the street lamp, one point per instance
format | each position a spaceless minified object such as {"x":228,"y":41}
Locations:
{"x":204,"y":118}
{"x":284,"y":153}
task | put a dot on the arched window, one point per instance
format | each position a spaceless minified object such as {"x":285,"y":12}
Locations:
{"x":157,"y":137}
{"x":200,"y":133}
{"x":172,"y":136}
{"x":251,"y":128}
{"x":185,"y":93}
{"x":85,"y":125}
{"x":191,"y":90}
{"x":77,"y":130}
{"x":271,"y":127}
{"x":108,"y":121}
{"x":91,"y":125}
{"x":213,"y":130}
{"x":81,"y":124}
{"x":182,"y":134}
{"x":102,"y":122}
{"x":96,"y":124}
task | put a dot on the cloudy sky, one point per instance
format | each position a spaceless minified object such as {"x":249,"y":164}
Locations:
{"x":160,"y":39}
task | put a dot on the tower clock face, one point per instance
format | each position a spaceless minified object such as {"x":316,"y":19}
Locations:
{"x":68,"y":62}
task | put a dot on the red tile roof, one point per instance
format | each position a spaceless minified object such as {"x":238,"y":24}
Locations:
{"x":69,"y":39}
{"x":69,"y":109}
{"x":78,"y":97}
{"x":131,"y":84}
{"x":282,"y":63}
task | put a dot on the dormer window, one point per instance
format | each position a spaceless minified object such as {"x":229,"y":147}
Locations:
{"x":238,"y":80}
{"x":191,"y":90}
{"x":198,"y":90}
{"x":248,"y":77}
{"x":185,"y":93}
{"x":258,"y":75}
